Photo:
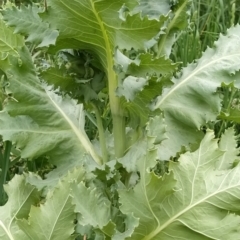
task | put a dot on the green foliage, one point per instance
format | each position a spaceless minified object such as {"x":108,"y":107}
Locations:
{"x":27,"y":21}
{"x":89,"y":89}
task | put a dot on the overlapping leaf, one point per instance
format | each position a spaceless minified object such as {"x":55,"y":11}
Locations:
{"x":95,"y":26}
{"x":101,"y":26}
{"x":228,"y":144}
{"x":55,"y":218}
{"x":192,"y":100}
{"x":94,"y":209}
{"x":27,"y":22}
{"x":152,"y":8}
{"x":147,"y":77}
{"x":178,"y":21}
{"x":41,"y":122}
{"x":202,"y":204}
{"x":9,"y":42}
{"x":232,"y":115}
{"x":155,"y":135}
{"x":21,"y":196}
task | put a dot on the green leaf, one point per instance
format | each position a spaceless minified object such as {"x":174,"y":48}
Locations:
{"x":41,"y":122}
{"x":57,"y":77}
{"x":202,"y":205}
{"x":131,"y":86}
{"x":27,"y":22}
{"x":138,"y":110}
{"x":192,"y":101}
{"x":155,"y":135}
{"x":95,"y":24}
{"x":232,"y":115}
{"x":100,"y":27}
{"x":152,"y":8}
{"x":146,"y":64}
{"x":75,"y":174}
{"x":156,"y":129}
{"x":21,"y":196}
{"x":178,"y":20}
{"x":228,"y":144}
{"x":55,"y":218}
{"x":9,"y":42}
{"x":130,"y":223}
{"x":147,"y":77}
{"x":94,"y":208}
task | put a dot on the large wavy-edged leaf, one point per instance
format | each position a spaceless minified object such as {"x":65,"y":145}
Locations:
{"x":21,"y":196}
{"x":55,"y":218}
{"x":192,"y":100}
{"x":202,"y":205}
{"x":39,"y":121}
{"x":8,"y":41}
{"x":27,"y":22}
{"x":101,"y":27}
{"x":96,"y":26}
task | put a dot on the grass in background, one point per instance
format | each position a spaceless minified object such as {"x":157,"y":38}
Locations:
{"x":208,"y":18}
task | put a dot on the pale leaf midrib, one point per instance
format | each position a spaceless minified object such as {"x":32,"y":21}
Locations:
{"x":19,"y":208}
{"x":83,"y":139}
{"x":56,"y":220}
{"x":172,"y":219}
{"x":146,"y":196}
{"x":175,"y":87}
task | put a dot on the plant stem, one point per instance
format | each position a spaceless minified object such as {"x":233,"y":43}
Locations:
{"x":117,"y":111}
{"x":101,"y":134}
{"x":118,"y":117}
{"x":5,"y":166}
{"x":115,"y":105}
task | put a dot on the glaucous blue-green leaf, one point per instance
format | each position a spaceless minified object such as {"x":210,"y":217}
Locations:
{"x":9,"y":42}
{"x":100,"y":27}
{"x":177,"y":21}
{"x":228,"y":144}
{"x":54,"y":219}
{"x":74,"y":174}
{"x":111,"y":231}
{"x":140,"y":81}
{"x":195,"y":200}
{"x":21,"y":196}
{"x":144,"y":64}
{"x":96,"y":24}
{"x":155,"y":134}
{"x":152,"y":8}
{"x":27,"y":22}
{"x":94,"y":208}
{"x":193,"y":101}
{"x":58,"y":78}
{"x":40,"y":121}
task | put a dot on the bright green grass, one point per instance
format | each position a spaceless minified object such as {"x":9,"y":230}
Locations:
{"x":208,"y":18}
